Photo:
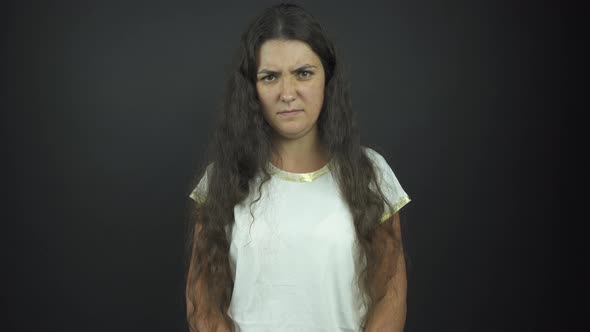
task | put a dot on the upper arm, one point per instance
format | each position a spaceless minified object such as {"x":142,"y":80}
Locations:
{"x":200,"y":314}
{"x":393,"y":268}
{"x":389,"y":313}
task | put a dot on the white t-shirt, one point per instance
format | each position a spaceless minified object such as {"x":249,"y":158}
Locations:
{"x":294,"y":267}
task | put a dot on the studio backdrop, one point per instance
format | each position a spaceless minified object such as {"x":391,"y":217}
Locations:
{"x":107,"y":107}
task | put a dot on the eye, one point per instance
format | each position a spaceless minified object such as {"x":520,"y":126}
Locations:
{"x":268,"y":78}
{"x":305,"y":74}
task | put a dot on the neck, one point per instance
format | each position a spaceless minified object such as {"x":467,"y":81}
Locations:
{"x":302,"y":155}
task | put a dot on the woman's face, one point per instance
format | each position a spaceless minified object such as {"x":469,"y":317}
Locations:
{"x":290,"y":87}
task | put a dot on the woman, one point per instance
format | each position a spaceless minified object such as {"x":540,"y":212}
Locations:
{"x":296,"y":225}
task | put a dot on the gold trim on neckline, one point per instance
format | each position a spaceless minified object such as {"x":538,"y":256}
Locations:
{"x":299,"y":177}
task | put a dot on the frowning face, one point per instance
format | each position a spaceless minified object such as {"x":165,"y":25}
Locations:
{"x":290,"y":86}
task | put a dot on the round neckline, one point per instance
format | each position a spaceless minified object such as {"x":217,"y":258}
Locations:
{"x":299,"y":177}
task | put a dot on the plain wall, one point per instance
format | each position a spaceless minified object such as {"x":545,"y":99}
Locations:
{"x":107,"y":107}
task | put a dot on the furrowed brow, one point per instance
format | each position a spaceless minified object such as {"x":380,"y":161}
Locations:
{"x":268,"y":71}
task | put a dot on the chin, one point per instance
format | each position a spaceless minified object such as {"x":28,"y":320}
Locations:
{"x":289,"y":135}
{"x":293,"y":134}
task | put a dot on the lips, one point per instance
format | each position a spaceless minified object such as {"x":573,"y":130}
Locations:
{"x":289,"y":111}
{"x":289,"y":114}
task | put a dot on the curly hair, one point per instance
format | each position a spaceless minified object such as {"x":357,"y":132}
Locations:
{"x":241,"y":147}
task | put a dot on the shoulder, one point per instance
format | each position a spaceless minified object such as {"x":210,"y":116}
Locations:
{"x":376,"y":158}
{"x":387,"y":181}
{"x":199,"y":192}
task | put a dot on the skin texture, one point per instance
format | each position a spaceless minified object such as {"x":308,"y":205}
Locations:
{"x":291,"y":76}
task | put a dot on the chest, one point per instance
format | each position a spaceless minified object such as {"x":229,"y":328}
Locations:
{"x":292,"y":228}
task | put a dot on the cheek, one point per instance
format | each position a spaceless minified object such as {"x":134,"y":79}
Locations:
{"x":316,"y":96}
{"x":265,"y":97}
{"x":267,"y":108}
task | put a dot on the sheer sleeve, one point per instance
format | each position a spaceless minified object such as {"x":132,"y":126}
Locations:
{"x":199,"y":193}
{"x":389,"y":185}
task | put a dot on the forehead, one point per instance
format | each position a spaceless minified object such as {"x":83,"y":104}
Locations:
{"x":286,"y":53}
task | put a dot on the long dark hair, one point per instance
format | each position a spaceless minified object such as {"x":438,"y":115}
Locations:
{"x":241,"y":147}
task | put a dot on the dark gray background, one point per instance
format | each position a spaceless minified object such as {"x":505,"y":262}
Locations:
{"x":106,"y":108}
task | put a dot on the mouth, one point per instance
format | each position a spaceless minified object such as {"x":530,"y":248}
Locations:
{"x":287,"y":112}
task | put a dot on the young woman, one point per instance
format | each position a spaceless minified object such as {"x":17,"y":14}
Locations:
{"x":296,"y":225}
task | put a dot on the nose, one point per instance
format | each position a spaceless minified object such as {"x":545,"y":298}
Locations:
{"x":288,"y":90}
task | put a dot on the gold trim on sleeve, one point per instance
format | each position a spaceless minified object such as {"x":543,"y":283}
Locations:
{"x":396,"y":207}
{"x":197,"y":198}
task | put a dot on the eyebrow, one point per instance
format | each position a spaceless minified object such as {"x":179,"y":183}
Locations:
{"x":268,"y":71}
